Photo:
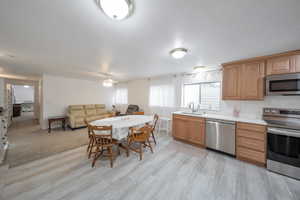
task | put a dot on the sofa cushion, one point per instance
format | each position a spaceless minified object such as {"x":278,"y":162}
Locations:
{"x":80,"y":113}
{"x":100,"y":106}
{"x":76,"y":107}
{"x":90,"y":112}
{"x":89,"y":106}
{"x":92,"y":118}
{"x":79,"y":119}
{"x":102,"y":116}
{"x":101,"y":111}
{"x":80,"y":124}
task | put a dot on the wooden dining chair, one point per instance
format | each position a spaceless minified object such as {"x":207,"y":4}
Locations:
{"x":103,"y":142}
{"x":156,"y":117}
{"x":138,"y":113}
{"x":140,"y":136}
{"x":91,"y":139}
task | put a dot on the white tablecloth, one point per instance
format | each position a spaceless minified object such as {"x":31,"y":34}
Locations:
{"x":122,"y":124}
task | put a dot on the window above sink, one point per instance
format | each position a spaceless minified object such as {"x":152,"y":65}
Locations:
{"x":205,"y":96}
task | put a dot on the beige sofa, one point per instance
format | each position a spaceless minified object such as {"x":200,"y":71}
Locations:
{"x":78,"y":113}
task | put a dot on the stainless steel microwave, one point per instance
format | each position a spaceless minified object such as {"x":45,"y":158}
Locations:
{"x":283,"y":84}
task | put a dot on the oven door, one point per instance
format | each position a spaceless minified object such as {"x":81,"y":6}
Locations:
{"x":284,"y":151}
{"x":284,"y":84}
{"x":284,"y":146}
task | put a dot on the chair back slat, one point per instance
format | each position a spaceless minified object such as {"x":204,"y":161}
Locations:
{"x":102,"y":139}
{"x":155,"y":121}
{"x":142,"y":133}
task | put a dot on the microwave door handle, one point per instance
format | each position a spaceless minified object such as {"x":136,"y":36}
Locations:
{"x":284,"y":132}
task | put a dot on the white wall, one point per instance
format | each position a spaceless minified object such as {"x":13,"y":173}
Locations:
{"x":138,"y":93}
{"x":60,"y":92}
{"x":23,"y":94}
{"x":2,"y":92}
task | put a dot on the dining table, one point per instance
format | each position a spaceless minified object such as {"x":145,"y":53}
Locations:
{"x":122,"y":124}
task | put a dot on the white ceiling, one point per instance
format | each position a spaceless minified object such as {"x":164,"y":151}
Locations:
{"x":74,"y":38}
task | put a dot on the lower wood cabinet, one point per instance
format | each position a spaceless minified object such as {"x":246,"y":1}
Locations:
{"x":251,"y":143}
{"x":189,"y":129}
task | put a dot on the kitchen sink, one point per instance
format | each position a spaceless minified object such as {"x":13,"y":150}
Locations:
{"x":193,"y":113}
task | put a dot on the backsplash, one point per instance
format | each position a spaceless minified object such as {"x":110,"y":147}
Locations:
{"x":254,"y":109}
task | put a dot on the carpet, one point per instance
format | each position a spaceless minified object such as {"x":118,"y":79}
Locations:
{"x":28,"y":142}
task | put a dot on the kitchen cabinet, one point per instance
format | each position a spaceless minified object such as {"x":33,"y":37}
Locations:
{"x":244,"y":81}
{"x":283,"y":65}
{"x":297,"y":60}
{"x":252,"y":81}
{"x":231,"y":82}
{"x":251,"y":143}
{"x":189,"y":129}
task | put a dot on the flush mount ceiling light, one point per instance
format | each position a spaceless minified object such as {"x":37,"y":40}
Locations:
{"x":108,"y":83}
{"x":116,"y":9}
{"x":26,"y":86}
{"x":178,"y":53}
{"x":198,"y":69}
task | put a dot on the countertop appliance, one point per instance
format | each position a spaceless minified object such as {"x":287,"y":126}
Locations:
{"x":220,"y":135}
{"x":283,"y":84}
{"x":283,"y":148}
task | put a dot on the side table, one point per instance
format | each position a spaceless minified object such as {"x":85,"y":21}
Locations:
{"x":61,"y":119}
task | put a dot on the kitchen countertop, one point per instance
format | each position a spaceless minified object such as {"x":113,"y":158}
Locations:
{"x":225,"y":117}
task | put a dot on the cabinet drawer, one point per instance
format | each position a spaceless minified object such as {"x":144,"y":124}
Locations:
{"x":251,"y":127}
{"x":253,"y":144}
{"x":188,"y":118}
{"x":251,"y":134}
{"x":252,"y":155}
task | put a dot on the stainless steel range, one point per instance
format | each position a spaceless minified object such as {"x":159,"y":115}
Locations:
{"x":283,"y":149}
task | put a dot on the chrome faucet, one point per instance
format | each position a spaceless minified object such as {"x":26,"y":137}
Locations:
{"x":192,"y":107}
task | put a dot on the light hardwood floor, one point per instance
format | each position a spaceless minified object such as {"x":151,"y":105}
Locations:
{"x":174,"y":171}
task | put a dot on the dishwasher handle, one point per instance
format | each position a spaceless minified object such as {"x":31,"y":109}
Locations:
{"x":216,"y":121}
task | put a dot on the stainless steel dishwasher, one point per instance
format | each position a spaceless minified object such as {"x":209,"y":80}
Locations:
{"x":220,"y":135}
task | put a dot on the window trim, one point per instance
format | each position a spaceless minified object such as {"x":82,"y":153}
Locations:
{"x":115,"y":98}
{"x":199,"y":83}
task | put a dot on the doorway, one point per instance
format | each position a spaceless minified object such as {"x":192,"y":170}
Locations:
{"x":23,"y":103}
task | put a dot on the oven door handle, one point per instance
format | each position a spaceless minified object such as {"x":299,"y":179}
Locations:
{"x":285,"y":132}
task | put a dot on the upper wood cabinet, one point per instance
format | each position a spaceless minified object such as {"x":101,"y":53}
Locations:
{"x":297,"y":63}
{"x":281,"y":65}
{"x":231,"y":82}
{"x":244,"y":81}
{"x":252,"y":81}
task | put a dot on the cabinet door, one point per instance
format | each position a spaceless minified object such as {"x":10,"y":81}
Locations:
{"x":231,"y":82}
{"x":196,"y":131}
{"x":180,"y":128}
{"x":252,"y":81}
{"x":281,"y":65}
{"x":297,"y":63}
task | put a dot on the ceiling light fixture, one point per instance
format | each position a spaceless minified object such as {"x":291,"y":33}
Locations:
{"x":178,"y":53}
{"x":198,"y":69}
{"x":26,"y":86}
{"x":116,"y":9}
{"x":108,"y":83}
